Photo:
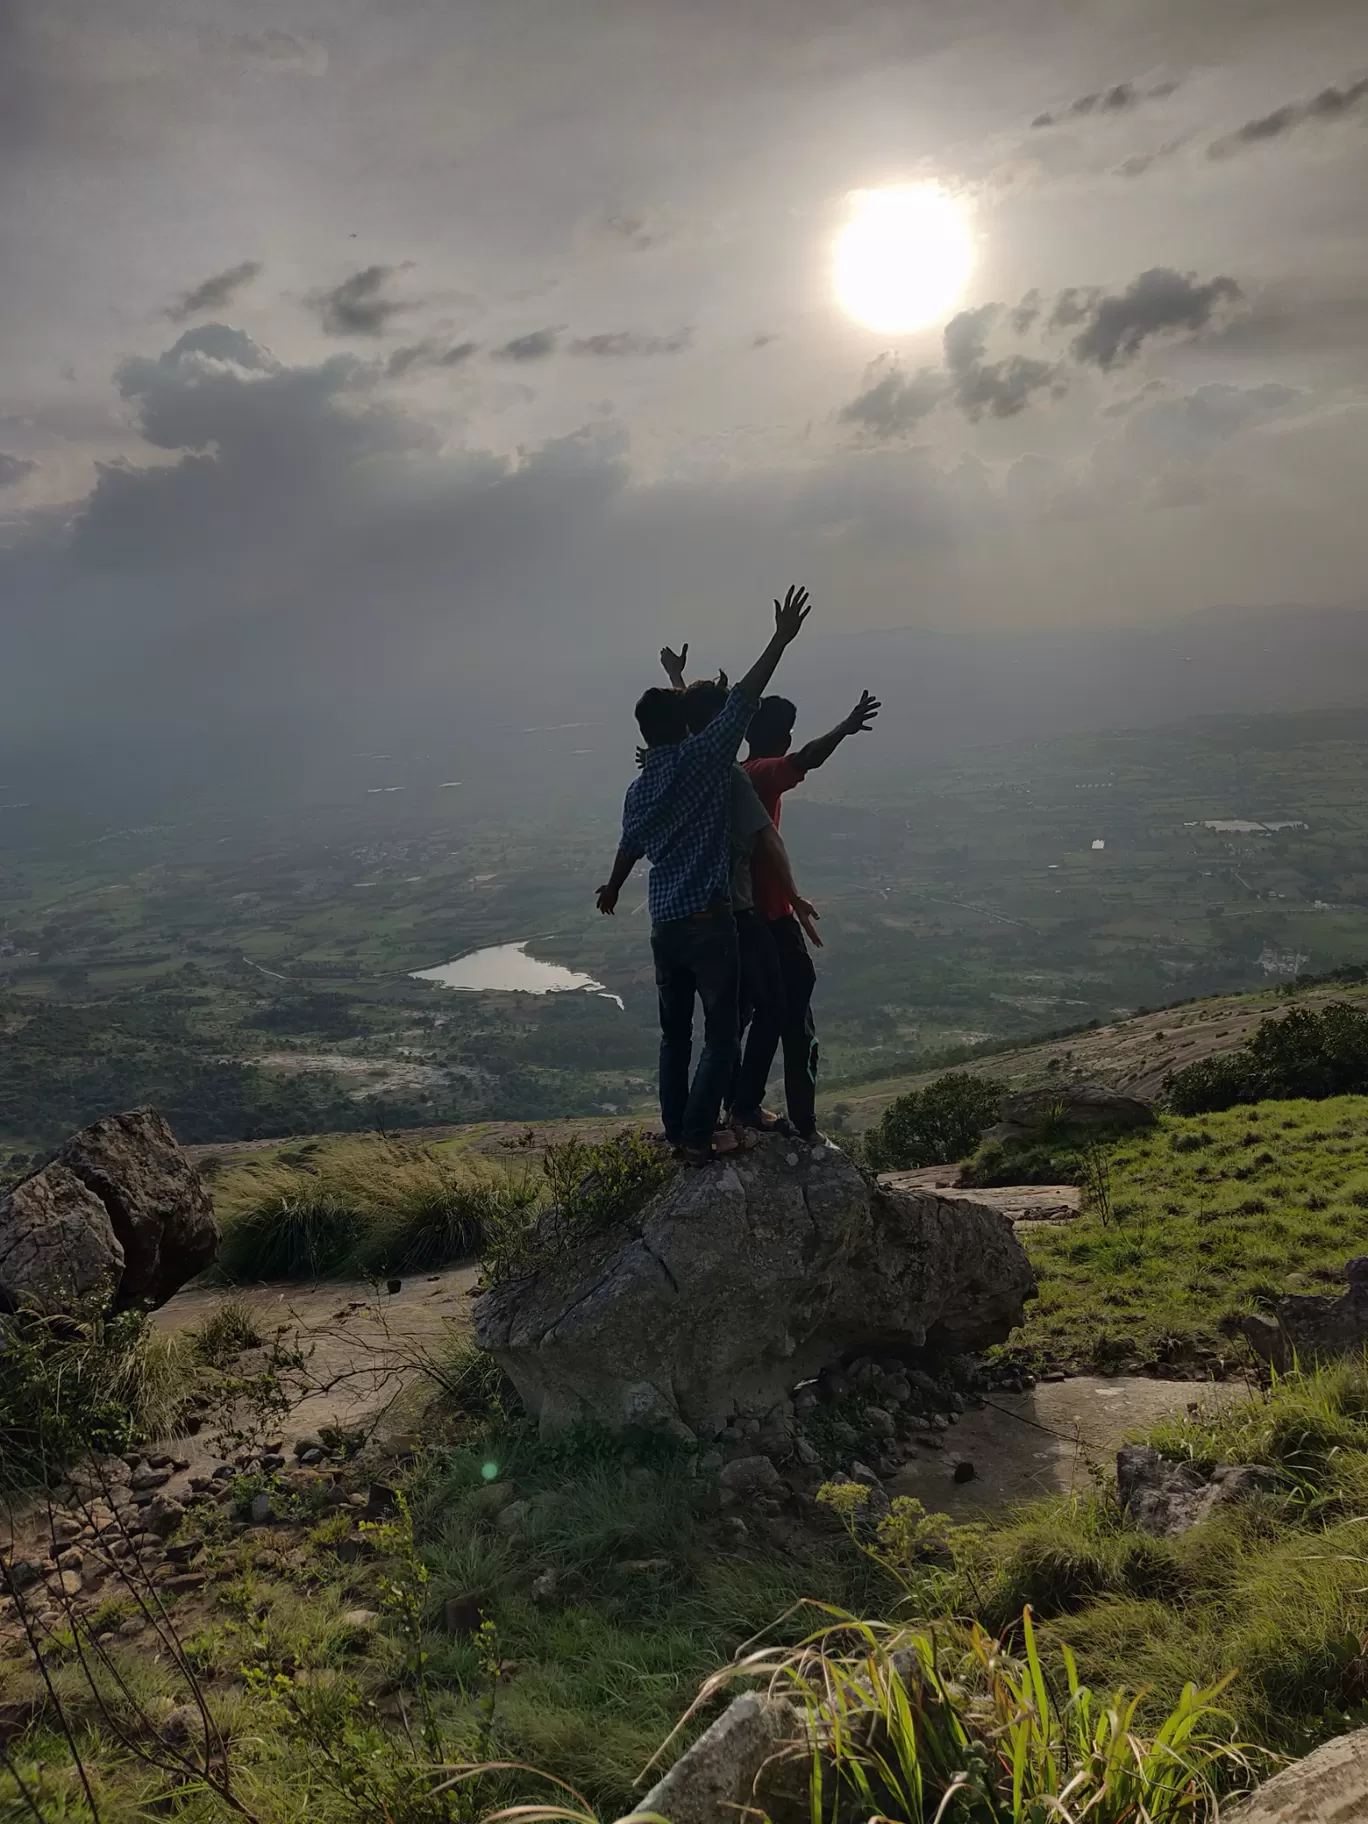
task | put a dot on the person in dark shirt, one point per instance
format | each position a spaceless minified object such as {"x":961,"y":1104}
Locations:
{"x":677,"y":813}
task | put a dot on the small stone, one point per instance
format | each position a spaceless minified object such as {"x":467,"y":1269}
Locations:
{"x":149,"y":1478}
{"x":790,"y":1158}
{"x":514,"y":1517}
{"x":806,"y":1454}
{"x":356,"y":1499}
{"x":222,"y":1472}
{"x":748,"y":1428}
{"x":845,"y":1434}
{"x":734,"y":1530}
{"x":804,"y":1402}
{"x":964,"y":1472}
{"x":931,"y":1442}
{"x":750,"y":1476}
{"x":130,"y":1629}
{"x":180,"y":1464}
{"x":314,"y":1456}
{"x":163,"y":1516}
{"x":68,"y":1582}
{"x":861,"y":1472}
{"x":490,"y":1497}
{"x":1055,"y":1374}
{"x":270,"y":1464}
{"x":200,"y":1485}
{"x":710,"y":1462}
{"x":381,"y":1501}
{"x":23,"y":1574}
{"x":896,"y":1390}
{"x":879,"y":1421}
{"x":544,"y":1587}
{"x":955,"y":1402}
{"x":261,"y":1508}
{"x":394,"y":1285}
{"x":464,"y":1614}
{"x":183,"y":1583}
{"x":69,"y":1560}
{"x":360,"y":1619}
{"x":303,"y":1445}
{"x":406,"y":1444}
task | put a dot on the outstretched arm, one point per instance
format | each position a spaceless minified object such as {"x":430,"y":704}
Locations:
{"x":606,"y":896}
{"x":816,"y":753}
{"x":789,"y":616}
{"x":771,"y":844}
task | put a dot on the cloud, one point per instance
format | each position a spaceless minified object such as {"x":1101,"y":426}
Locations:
{"x":1331,"y":104}
{"x":1003,"y":387}
{"x":1119,"y":99}
{"x":536,"y":345}
{"x":894,"y":401}
{"x":632,"y":342}
{"x":279,"y":50}
{"x":1022,"y":316}
{"x":1159,"y":301}
{"x":1165,"y":450}
{"x":14,"y":469}
{"x":637,"y":231}
{"x":213,"y":293}
{"x":358,"y":307}
{"x":429,"y":354}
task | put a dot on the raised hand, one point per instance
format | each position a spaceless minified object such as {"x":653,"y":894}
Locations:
{"x":674,"y":663}
{"x":790,"y":614}
{"x":807,"y":915}
{"x":864,"y":712}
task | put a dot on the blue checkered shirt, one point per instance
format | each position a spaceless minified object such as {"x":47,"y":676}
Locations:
{"x":677,"y":813}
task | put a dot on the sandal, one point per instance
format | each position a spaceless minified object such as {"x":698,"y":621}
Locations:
{"x":716,"y":1149}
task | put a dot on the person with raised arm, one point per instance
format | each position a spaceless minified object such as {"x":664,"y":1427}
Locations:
{"x":677,"y":813}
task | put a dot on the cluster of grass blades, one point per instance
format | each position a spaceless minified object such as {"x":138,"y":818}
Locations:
{"x":364,"y":1210}
{"x":902,"y":1723}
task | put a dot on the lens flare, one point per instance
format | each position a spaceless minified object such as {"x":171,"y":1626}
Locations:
{"x":904,"y":258}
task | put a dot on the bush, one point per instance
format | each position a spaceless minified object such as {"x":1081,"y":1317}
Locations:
{"x":82,"y":1382}
{"x":594,"y":1188}
{"x":1310,"y":1052}
{"x":364,"y":1209}
{"x":934,"y":1126}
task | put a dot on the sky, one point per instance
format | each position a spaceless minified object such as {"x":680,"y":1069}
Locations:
{"x":401,"y":351}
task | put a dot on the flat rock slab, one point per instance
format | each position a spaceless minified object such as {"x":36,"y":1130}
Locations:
{"x":1018,"y":1202}
{"x":1086,"y":1419}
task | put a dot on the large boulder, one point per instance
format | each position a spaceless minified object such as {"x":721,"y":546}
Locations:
{"x":1029,"y":1112}
{"x":1329,"y":1786}
{"x":120,"y":1217}
{"x":740,"y":1280}
{"x":1314,"y":1326}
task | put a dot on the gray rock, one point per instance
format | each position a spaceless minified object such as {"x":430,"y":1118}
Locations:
{"x":879,"y":1421}
{"x":896,"y":1390}
{"x":1312,"y":1327}
{"x":363,"y":1620}
{"x":545,"y":1587}
{"x":119,"y":1217}
{"x":1328,"y":1787}
{"x":58,"y":1248}
{"x":736,"y":1282}
{"x":164,"y":1515}
{"x":514,"y":1517}
{"x":806,"y":1454}
{"x":746,"y":1477}
{"x":261,"y":1508}
{"x":1025,"y":1113}
{"x":490,"y":1497}
{"x":718,"y":1777}
{"x":1167,"y":1498}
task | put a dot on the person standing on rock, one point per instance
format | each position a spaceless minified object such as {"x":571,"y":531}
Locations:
{"x":773,"y":770}
{"x":677,"y":813}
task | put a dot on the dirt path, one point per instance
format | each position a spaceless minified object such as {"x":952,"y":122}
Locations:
{"x":1027,"y":1445}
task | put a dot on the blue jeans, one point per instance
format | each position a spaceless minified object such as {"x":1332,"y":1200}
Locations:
{"x":695,"y":956}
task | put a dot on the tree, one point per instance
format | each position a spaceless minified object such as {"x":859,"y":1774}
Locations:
{"x":936,"y":1125}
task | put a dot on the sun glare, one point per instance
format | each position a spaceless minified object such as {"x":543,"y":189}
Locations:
{"x":904,"y":258}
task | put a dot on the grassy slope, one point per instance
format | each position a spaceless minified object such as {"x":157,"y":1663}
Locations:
{"x":1212,"y":1216}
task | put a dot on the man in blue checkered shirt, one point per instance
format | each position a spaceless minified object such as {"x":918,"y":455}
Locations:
{"x":676,"y":813}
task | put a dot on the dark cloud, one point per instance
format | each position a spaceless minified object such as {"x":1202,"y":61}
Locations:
{"x":894,"y":401}
{"x":1159,"y":301}
{"x":637,"y":231}
{"x":14,"y":469}
{"x":1001,"y":388}
{"x":536,"y":345}
{"x":429,"y":354}
{"x":1022,"y":316}
{"x":764,"y":337}
{"x":632,"y":342}
{"x":1330,"y":105}
{"x":1074,"y":305}
{"x":358,"y":306}
{"x":218,"y":289}
{"x":1119,"y":99}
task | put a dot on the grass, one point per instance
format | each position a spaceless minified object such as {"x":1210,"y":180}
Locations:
{"x":1211,"y":1217}
{"x":367,"y":1208}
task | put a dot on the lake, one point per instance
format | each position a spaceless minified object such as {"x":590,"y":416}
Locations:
{"x":508,"y":969}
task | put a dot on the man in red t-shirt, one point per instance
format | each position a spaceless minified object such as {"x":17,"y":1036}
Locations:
{"x":783,"y":1014}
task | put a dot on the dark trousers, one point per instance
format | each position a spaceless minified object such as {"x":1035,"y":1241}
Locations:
{"x":761,"y":1009}
{"x":795,"y":1030}
{"x":695,"y":957}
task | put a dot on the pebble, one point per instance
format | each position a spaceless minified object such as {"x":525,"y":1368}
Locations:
{"x":145,"y":1479}
{"x":544,"y":1587}
{"x":359,"y":1618}
{"x":932,"y":1442}
{"x":879,"y":1421}
{"x":514,"y":1517}
{"x":261,"y":1508}
{"x":964,"y":1472}
{"x":734,"y":1530}
{"x":130,"y":1629}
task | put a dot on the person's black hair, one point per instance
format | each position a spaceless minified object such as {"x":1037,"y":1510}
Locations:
{"x":660,"y":717}
{"x":771,"y":727}
{"x":704,"y":701}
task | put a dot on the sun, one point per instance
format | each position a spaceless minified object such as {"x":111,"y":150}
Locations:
{"x":904,"y":258}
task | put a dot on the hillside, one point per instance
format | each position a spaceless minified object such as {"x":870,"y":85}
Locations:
{"x":1136,"y":1054}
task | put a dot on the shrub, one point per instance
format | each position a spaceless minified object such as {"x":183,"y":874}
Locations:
{"x":594,"y":1188}
{"x":82,"y":1382}
{"x":300,"y":1229}
{"x":933,"y":1126}
{"x":224,"y":1335}
{"x":1309,"y":1052}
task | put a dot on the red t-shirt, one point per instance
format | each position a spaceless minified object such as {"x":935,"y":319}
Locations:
{"x":771,"y":779}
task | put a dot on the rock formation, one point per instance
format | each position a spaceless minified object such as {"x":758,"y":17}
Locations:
{"x":119,"y":1218}
{"x":1167,"y":1498}
{"x":1329,"y":1786}
{"x":742,"y":1280}
{"x":1022,"y":1116}
{"x":1314,"y":1326}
